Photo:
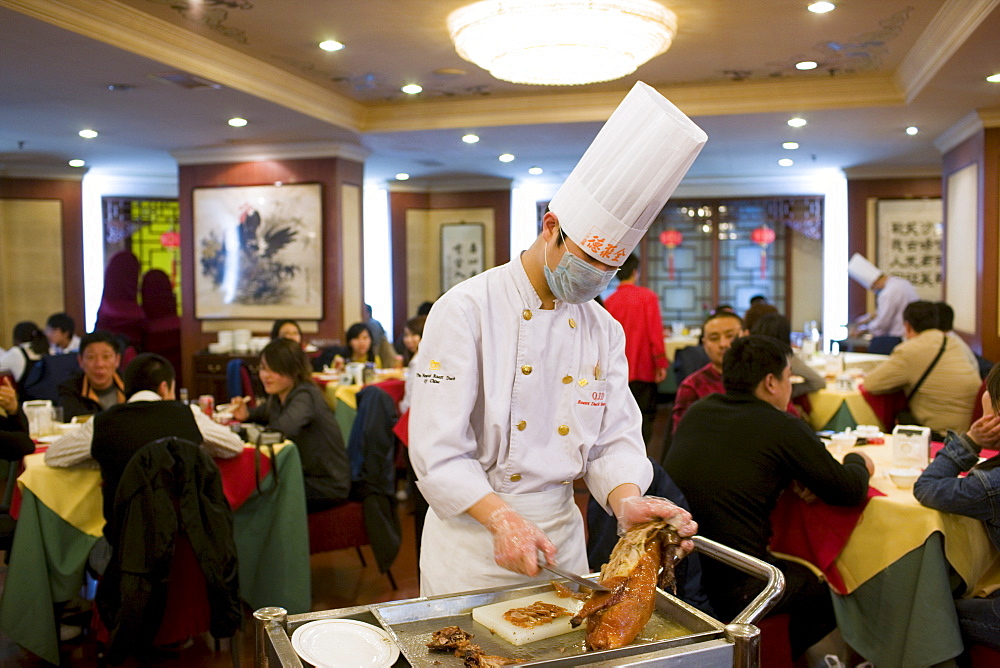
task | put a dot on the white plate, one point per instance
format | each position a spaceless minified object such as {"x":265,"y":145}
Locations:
{"x":48,"y":438}
{"x":344,"y":643}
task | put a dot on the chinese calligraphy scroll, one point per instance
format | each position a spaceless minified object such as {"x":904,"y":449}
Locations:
{"x":909,"y":243}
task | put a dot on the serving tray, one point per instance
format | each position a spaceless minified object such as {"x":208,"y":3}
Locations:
{"x":411,"y":624}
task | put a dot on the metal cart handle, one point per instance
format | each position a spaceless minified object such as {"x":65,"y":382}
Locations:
{"x":768,"y":597}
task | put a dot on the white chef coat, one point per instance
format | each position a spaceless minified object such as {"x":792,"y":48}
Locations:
{"x":513,"y":399}
{"x":890,"y":302}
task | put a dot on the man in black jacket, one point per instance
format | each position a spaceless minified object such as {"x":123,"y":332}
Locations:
{"x":97,"y":387}
{"x":733,"y":454}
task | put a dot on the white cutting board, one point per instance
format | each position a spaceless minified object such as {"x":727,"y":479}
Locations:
{"x":491,"y":616}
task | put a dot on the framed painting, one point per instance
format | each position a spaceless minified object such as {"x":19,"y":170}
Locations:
{"x":910,"y":233}
{"x":462,"y":254}
{"x":258,"y":252}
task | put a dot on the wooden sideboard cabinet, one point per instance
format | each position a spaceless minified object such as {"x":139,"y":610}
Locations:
{"x":210,"y":375}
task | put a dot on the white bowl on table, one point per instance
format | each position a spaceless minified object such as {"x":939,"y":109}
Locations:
{"x":843,"y":440}
{"x":904,"y":478}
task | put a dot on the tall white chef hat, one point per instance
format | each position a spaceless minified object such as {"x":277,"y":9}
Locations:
{"x":626,"y":176}
{"x":863,"y":271}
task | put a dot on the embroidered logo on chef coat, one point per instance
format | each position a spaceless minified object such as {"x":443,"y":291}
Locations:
{"x":596,"y":399}
{"x":433,"y":377}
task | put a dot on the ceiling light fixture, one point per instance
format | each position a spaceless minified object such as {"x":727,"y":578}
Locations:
{"x":912,"y":130}
{"x":786,"y":162}
{"x":797,"y":122}
{"x":535,"y":170}
{"x":561,"y":42}
{"x":470,"y":138}
{"x":790,"y":145}
{"x":806,"y":65}
{"x":88,"y":134}
{"x":76,"y":162}
{"x":331,"y":45}
{"x":412,"y":89}
{"x":237,"y":122}
{"x":402,"y":176}
{"x":994,"y":78}
{"x":506,"y":157}
{"x":821,"y":7}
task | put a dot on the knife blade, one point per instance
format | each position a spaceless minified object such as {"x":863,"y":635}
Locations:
{"x":579,"y":579}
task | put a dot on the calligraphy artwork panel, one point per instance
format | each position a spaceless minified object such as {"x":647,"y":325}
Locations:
{"x":910,"y":232}
{"x":462,"y":252}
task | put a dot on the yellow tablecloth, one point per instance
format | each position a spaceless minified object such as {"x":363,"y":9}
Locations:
{"x":69,"y":492}
{"x":673,"y":344}
{"x":894,"y":525}
{"x":826,"y":402}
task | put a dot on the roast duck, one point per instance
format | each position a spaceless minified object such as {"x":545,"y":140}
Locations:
{"x":643,"y":558}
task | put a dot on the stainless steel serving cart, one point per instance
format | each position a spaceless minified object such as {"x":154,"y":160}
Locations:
{"x":676,"y":635}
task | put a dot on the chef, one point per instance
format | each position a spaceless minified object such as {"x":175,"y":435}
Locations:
{"x":522,"y":386}
{"x":892,"y":294}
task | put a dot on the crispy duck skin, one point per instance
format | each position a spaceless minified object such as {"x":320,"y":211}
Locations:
{"x":615,"y":618}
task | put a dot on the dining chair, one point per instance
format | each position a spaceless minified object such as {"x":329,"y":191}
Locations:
{"x":340,"y":528}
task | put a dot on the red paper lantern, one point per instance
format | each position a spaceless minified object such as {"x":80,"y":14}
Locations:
{"x":671,"y":239}
{"x":763,"y":236}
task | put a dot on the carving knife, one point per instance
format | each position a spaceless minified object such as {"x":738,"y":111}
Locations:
{"x":579,"y":579}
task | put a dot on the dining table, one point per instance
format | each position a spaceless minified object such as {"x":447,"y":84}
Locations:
{"x":894,"y":566}
{"x":60,"y":517}
{"x":342,"y":397}
{"x":844,"y":403}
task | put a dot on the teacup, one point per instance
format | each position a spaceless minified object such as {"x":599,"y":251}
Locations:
{"x":904,"y":478}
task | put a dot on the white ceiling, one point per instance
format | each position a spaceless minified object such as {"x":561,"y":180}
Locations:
{"x":883,"y":66}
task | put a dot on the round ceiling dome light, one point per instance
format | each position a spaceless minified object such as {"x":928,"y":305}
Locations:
{"x":506,"y":157}
{"x":470,"y":138}
{"x":76,"y":162}
{"x":88,"y":134}
{"x":237,"y":122}
{"x":790,"y":145}
{"x":535,"y":171}
{"x":821,"y":7}
{"x":412,"y":89}
{"x":994,"y":78}
{"x":786,"y":162}
{"x":797,"y":122}
{"x":806,"y":65}
{"x":561,"y":42}
{"x":331,"y":45}
{"x":402,"y":176}
{"x":912,"y":130}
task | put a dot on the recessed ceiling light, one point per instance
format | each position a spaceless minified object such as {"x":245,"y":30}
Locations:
{"x":412,"y":89}
{"x":790,"y":145}
{"x":76,"y":162}
{"x":88,"y":134}
{"x":470,"y":138}
{"x":994,"y":78}
{"x":402,"y":176}
{"x":506,"y":157}
{"x":797,"y":122}
{"x":535,"y":170}
{"x":237,"y":122}
{"x":806,"y":65}
{"x":331,"y":45}
{"x":912,"y":130}
{"x":786,"y":162}
{"x":821,"y":7}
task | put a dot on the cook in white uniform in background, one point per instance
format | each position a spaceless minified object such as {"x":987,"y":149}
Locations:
{"x":892,"y":294}
{"x":522,"y":382}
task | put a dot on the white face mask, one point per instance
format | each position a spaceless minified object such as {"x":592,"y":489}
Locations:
{"x":573,"y":280}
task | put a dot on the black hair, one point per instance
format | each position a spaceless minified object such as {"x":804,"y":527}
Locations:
{"x":715,"y":315}
{"x":416,"y":325}
{"x":147,"y":371}
{"x":758,"y":298}
{"x":921,"y":315}
{"x":756,"y":312}
{"x":774,"y":325}
{"x":750,"y":359}
{"x":100,"y":336}
{"x":992,"y":383}
{"x":28,"y":332}
{"x":723,"y":308}
{"x":353,"y":332}
{"x":946,"y":317}
{"x":61,"y":321}
{"x":627,"y":270}
{"x":278,"y":324}
{"x":285,"y":357}
{"x":424,"y":308}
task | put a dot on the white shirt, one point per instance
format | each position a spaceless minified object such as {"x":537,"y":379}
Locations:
{"x":515,"y":399}
{"x":73,"y":448}
{"x":889,"y":304}
{"x":72,"y":347}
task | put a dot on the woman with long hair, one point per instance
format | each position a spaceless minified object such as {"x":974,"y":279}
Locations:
{"x":296,"y":408}
{"x":286,"y":329}
{"x":976,"y":495}
{"x":359,"y":345}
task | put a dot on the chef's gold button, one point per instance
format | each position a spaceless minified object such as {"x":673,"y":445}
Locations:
{"x":521,"y":425}
{"x":526,"y":314}
{"x":526,"y":369}
{"x":582,"y":382}
{"x":566,"y":482}
{"x":563,"y":430}
{"x":572,"y":323}
{"x":567,"y":380}
{"x":515,"y":477}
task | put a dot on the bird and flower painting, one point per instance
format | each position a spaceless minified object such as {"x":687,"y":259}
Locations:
{"x":258,"y":252}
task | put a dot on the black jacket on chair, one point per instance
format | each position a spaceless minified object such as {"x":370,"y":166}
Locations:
{"x":170,"y":485}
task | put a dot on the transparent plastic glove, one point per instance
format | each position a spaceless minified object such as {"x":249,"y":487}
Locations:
{"x":516,"y":542}
{"x":634,"y":510}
